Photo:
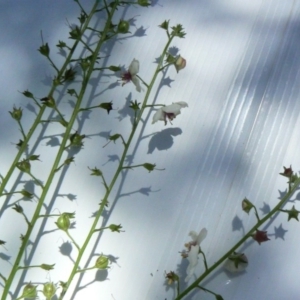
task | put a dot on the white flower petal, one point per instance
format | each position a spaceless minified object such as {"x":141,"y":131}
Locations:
{"x":134,"y":67}
{"x":173,"y":108}
{"x":181,"y":103}
{"x":198,"y":237}
{"x":136,"y":82}
{"x":201,"y":236}
{"x":193,"y":261}
{"x":158,"y":116}
{"x":193,"y":235}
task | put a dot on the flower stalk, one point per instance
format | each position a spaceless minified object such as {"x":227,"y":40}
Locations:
{"x":293,"y":187}
{"x":121,"y":166}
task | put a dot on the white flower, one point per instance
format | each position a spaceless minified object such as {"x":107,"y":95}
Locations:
{"x":168,"y":112}
{"x":194,"y":249}
{"x":130,"y":75}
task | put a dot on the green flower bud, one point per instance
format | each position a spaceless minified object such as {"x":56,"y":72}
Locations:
{"x":29,"y":291}
{"x":28,"y":94}
{"x":134,"y":105}
{"x":123,"y":27}
{"x":164,"y":25}
{"x":82,"y":17}
{"x":102,"y":262}
{"x":18,"y":208}
{"x":34,"y":157}
{"x":47,"y":267}
{"x":49,"y":290}
{"x":115,"y":228}
{"x":26,"y":194}
{"x":75,"y":33}
{"x":247,"y":205}
{"x":114,"y":68}
{"x":69,"y":75}
{"x":48,"y":101}
{"x":96,"y":172}
{"x":149,"y":167}
{"x":76,"y":139}
{"x":144,"y":3}
{"x":16,"y":113}
{"x":61,"y":45}
{"x":107,"y":106}
{"x":44,"y":50}
{"x":24,"y":166}
{"x":63,"y":222}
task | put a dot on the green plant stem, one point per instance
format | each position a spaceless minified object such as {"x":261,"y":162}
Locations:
{"x":276,"y":209}
{"x":37,"y":120}
{"x":56,"y":162}
{"x":116,"y":175}
{"x":76,"y":245}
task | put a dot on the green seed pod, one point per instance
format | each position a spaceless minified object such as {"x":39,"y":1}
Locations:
{"x":123,"y":27}
{"x":102,"y":262}
{"x":29,"y":291}
{"x":49,"y":290}
{"x":16,"y":113}
{"x":63,"y":222}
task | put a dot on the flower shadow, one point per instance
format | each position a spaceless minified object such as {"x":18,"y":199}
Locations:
{"x":162,"y":140}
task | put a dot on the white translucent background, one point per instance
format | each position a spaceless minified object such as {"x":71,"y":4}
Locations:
{"x":242,"y":87}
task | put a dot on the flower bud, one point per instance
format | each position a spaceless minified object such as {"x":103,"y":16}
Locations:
{"x":16,"y":113}
{"x":107,"y":106}
{"x":247,"y":205}
{"x":288,"y":172}
{"x":63,"y":222}
{"x":47,"y":267}
{"x":144,"y":3}
{"x":164,"y":25}
{"x":29,"y":291}
{"x":26,"y":194}
{"x":69,"y":74}
{"x":24,"y":166}
{"x":149,"y":167}
{"x":75,"y":33}
{"x":48,"y":101}
{"x":123,"y":26}
{"x":18,"y":208}
{"x":236,"y":262}
{"x":102,"y":262}
{"x":260,"y":236}
{"x":115,"y":228}
{"x":76,"y":139}
{"x":44,"y":50}
{"x":180,"y":63}
{"x":49,"y":290}
{"x":28,"y":94}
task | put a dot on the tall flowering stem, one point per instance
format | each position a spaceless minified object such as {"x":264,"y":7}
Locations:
{"x":292,"y":189}
{"x":121,"y":166}
{"x":66,"y":136}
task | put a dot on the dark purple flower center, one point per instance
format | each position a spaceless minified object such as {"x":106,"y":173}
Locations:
{"x":126,"y":77}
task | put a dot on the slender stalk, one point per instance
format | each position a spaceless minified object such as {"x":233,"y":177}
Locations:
{"x":260,"y":222}
{"x":61,"y":150}
{"x":116,"y":175}
{"x":38,"y":118}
